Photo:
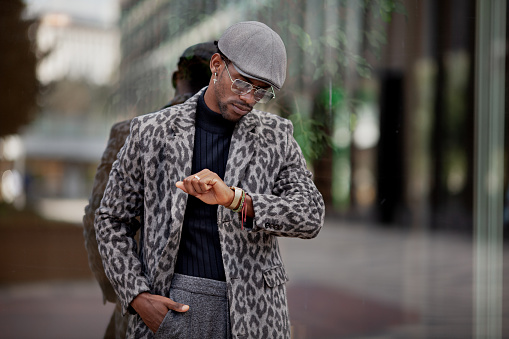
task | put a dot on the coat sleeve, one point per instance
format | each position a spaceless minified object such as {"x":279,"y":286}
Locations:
{"x":117,"y":138}
{"x":295,"y":208}
{"x":116,"y":223}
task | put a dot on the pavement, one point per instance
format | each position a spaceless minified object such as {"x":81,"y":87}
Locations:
{"x":53,"y":310}
{"x":354,"y":281}
{"x":375,"y":282}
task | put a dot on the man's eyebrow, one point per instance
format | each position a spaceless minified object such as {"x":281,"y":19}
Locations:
{"x":251,"y":82}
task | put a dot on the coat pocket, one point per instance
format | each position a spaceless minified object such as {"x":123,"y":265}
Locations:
{"x":275,"y":276}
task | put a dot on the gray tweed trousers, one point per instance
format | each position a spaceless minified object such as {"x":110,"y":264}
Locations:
{"x":208,"y":315}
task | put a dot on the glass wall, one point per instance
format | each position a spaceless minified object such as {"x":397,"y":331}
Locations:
{"x":398,"y":106}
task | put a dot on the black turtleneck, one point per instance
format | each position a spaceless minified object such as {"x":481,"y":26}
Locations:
{"x":200,"y":250}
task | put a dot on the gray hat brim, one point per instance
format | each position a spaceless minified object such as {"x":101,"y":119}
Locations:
{"x":248,"y":76}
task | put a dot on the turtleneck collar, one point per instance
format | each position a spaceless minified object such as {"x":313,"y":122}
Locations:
{"x":211,"y":121}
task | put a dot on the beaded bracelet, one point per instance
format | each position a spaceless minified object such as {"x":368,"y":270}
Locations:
{"x":243,"y":216}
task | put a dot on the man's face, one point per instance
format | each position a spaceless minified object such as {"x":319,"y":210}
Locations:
{"x":233,"y":106}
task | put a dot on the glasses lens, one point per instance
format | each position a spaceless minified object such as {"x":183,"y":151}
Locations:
{"x":241,"y":87}
{"x":260,"y":95}
{"x":263,"y":96}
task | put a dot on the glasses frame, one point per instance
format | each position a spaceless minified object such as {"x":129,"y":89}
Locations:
{"x":252,"y":87}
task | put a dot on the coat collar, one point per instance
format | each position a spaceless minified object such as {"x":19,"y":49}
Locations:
{"x":183,"y":116}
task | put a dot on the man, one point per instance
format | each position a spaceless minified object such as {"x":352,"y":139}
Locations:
{"x":192,"y":74}
{"x":216,"y":182}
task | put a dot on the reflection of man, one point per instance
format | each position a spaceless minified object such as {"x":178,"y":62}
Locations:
{"x":193,"y":73}
{"x":209,"y":264}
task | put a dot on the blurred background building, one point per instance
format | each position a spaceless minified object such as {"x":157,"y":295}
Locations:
{"x":78,"y":62}
{"x":399,"y":107}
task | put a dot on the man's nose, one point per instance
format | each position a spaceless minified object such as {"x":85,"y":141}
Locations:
{"x":248,"y":98}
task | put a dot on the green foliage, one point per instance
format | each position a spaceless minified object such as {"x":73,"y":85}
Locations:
{"x":331,"y":50}
{"x":310,"y":135}
{"x":388,"y":7}
{"x":314,"y":133}
{"x":302,"y":38}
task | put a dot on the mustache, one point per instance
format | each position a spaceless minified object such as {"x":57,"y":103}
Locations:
{"x":243,"y":105}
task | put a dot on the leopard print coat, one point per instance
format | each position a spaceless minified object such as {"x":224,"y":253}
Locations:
{"x":265,"y":160}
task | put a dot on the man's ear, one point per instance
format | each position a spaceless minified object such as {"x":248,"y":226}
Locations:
{"x":215,"y":63}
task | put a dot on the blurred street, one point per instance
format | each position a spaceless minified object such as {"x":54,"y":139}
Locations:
{"x":352,"y":281}
{"x":365,"y":281}
{"x":46,"y":287}
{"x":63,"y":309}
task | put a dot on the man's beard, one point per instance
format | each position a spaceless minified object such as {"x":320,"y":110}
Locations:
{"x":223,"y":109}
{"x":223,"y":106}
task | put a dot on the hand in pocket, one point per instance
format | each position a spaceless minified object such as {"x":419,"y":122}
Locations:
{"x":153,"y":308}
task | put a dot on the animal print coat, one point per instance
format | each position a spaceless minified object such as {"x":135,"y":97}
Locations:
{"x":264,"y":160}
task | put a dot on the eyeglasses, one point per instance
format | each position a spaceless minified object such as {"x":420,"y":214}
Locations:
{"x":241,"y":87}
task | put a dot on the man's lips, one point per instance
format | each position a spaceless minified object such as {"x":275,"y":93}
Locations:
{"x":241,"y":109}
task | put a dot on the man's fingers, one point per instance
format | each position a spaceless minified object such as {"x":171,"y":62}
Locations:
{"x":183,"y":308}
{"x":189,"y":189}
{"x":196,"y":185}
{"x":206,"y":186}
{"x":187,"y":185}
{"x":180,"y":184}
{"x":178,"y":307}
{"x":203,"y":181}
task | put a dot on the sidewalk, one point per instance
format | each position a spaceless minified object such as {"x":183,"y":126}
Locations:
{"x":352,"y":281}
{"x":375,"y":282}
{"x":57,"y":310}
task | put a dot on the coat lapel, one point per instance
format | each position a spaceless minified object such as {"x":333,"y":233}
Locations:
{"x":242,"y":148}
{"x":179,"y":153}
{"x":178,"y":157}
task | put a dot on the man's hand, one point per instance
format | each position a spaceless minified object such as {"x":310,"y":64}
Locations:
{"x":153,"y":308}
{"x":208,"y":187}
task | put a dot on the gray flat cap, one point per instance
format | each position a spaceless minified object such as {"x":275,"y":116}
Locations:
{"x":256,"y":51}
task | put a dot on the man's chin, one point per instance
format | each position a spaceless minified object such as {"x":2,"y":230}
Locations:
{"x":234,"y":113}
{"x":231,"y":116}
